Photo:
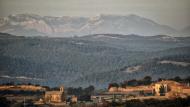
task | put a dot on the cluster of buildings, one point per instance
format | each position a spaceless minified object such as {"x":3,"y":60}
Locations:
{"x":166,"y":89}
{"x":163,"y":88}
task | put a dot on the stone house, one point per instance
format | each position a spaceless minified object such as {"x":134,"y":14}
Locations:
{"x":74,"y":99}
{"x":158,"y":87}
{"x":55,"y":96}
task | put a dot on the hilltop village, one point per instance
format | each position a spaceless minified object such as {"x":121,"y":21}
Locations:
{"x":161,"y":90}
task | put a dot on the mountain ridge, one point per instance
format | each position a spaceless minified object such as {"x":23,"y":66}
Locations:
{"x":67,"y":26}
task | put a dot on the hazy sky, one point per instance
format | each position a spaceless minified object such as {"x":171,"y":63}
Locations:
{"x":175,"y":13}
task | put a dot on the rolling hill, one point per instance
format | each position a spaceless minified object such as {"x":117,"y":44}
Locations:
{"x":96,"y":59}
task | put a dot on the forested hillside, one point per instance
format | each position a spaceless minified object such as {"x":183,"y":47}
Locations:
{"x":96,"y":59}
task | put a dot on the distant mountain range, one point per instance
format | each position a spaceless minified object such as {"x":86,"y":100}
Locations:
{"x":96,"y":59}
{"x":35,"y":25}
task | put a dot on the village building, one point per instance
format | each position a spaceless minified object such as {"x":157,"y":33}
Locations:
{"x":55,"y":96}
{"x":160,"y":85}
{"x":171,"y":88}
{"x":74,"y":99}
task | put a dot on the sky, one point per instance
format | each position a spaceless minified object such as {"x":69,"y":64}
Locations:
{"x":175,"y":13}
